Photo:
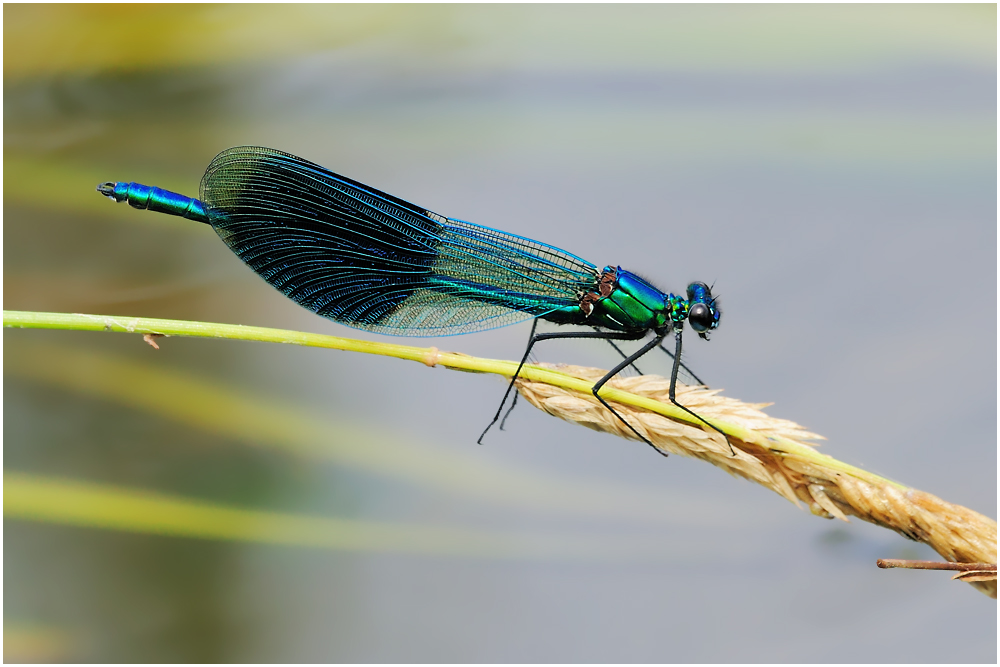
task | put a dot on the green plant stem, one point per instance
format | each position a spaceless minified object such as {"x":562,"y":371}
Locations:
{"x":430,"y":356}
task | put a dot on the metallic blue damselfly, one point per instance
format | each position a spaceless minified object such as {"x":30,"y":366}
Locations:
{"x":369,"y":260}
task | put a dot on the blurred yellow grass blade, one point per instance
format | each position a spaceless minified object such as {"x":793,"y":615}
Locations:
{"x":31,"y":642}
{"x":45,"y":39}
{"x":236,"y":414}
{"x":90,"y":505}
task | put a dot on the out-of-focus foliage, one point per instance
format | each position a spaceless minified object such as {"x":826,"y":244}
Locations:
{"x":831,"y":168}
{"x":48,"y":39}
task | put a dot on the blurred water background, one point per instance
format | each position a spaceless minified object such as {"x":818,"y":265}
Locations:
{"x":831,"y":169}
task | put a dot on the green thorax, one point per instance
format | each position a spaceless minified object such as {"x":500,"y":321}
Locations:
{"x":622,"y":301}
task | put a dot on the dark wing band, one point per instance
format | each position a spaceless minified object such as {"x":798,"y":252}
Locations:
{"x":372,"y":261}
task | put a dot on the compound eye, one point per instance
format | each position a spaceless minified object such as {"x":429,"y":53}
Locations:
{"x":700,"y":317}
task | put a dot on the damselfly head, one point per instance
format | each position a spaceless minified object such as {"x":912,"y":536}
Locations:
{"x":703,"y":310}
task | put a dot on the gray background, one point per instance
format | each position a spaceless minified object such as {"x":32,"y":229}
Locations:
{"x":832,"y":170}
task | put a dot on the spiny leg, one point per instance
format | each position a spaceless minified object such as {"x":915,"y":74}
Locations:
{"x":513,"y":402}
{"x":605,"y":335}
{"x":531,"y":336}
{"x":673,"y":389}
{"x":623,"y":355}
{"x":669,"y":354}
{"x":684,"y":366}
{"x":615,"y":371}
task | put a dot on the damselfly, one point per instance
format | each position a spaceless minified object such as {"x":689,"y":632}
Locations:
{"x":369,"y":260}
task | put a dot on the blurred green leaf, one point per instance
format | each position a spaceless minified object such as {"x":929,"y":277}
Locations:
{"x":249,"y":418}
{"x":85,"y":504}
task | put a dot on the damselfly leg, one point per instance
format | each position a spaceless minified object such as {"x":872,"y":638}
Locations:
{"x":603,"y":335}
{"x":673,"y":389}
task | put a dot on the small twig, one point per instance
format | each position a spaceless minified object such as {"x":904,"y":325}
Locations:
{"x":151,"y":339}
{"x":887,"y":563}
{"x":968,"y":572}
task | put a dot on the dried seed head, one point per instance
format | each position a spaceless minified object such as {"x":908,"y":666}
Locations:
{"x":828,"y":487}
